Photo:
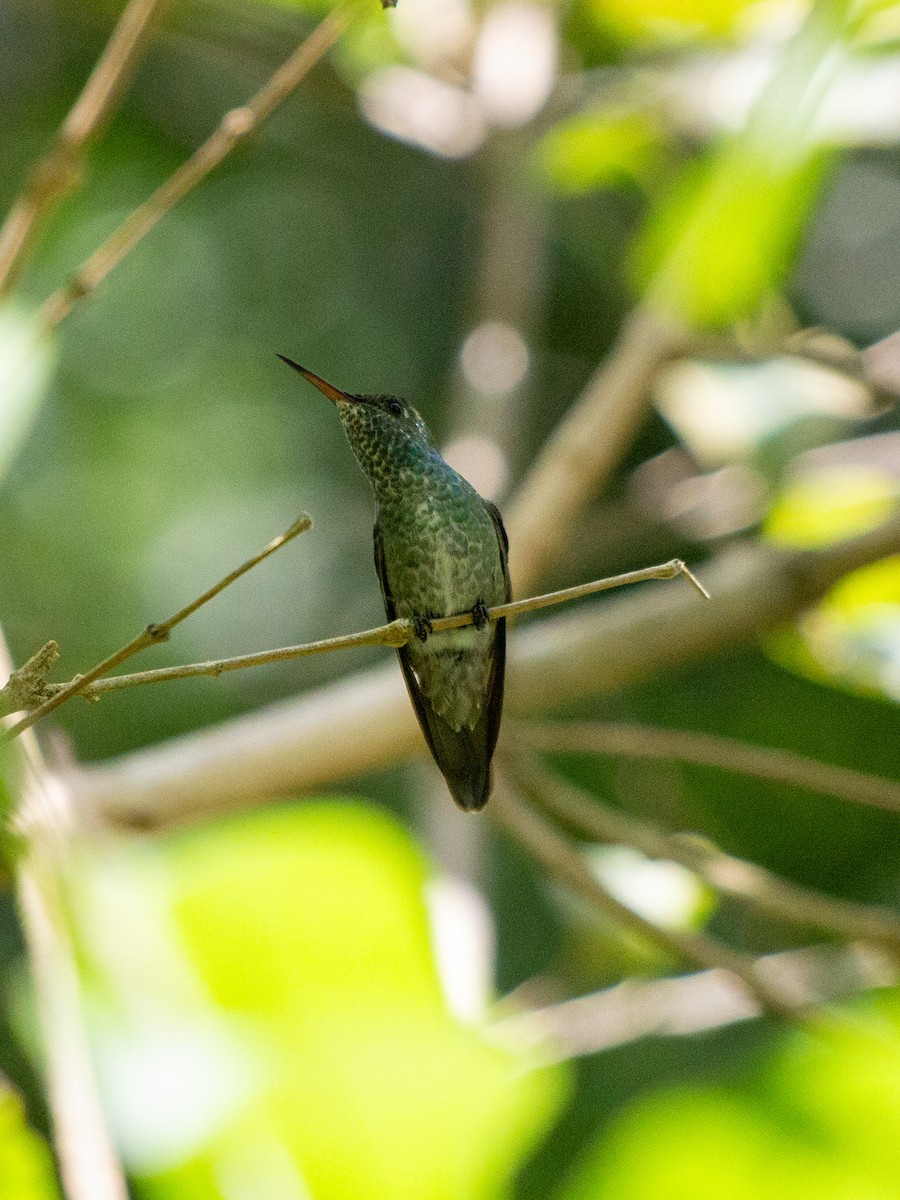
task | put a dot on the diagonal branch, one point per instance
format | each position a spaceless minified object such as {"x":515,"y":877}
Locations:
{"x":235,"y":127}
{"x":59,"y":172}
{"x":582,"y":452}
{"x":725,"y":754}
{"x":589,"y":817}
{"x":561,"y":859}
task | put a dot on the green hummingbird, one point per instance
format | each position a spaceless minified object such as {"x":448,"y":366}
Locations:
{"x":440,"y":549}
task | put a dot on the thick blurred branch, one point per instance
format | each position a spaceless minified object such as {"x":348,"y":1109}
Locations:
{"x":725,"y":754}
{"x":582,"y":452}
{"x":364,"y":722}
{"x":60,"y":171}
{"x":588,"y":817}
{"x":88,"y":1163}
{"x":688,"y":1004}
{"x":235,"y":127}
{"x":152,"y":635}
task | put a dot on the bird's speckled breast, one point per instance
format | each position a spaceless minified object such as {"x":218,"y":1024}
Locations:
{"x":441,"y":557}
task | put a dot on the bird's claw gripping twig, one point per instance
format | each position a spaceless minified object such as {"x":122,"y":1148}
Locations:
{"x":422,"y":627}
{"x":480,"y":616}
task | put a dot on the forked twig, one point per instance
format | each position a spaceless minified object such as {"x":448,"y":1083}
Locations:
{"x":153,"y":634}
{"x":235,"y":127}
{"x":562,"y":860}
{"x":58,"y":173}
{"x":682,"y":1005}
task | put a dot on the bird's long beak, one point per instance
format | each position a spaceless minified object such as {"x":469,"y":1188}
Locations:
{"x":333,"y":393}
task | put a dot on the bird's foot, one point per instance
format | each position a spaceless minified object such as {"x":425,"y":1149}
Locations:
{"x":422,"y":627}
{"x":480,"y":616}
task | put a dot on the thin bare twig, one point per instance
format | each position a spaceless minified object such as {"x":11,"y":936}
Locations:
{"x":589,"y":817}
{"x":561,"y":859}
{"x":707,"y":750}
{"x":154,"y":634}
{"x":59,"y":172}
{"x":235,"y":127}
{"x":397,"y":633}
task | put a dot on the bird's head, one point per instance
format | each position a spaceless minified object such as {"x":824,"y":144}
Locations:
{"x":387,"y":434}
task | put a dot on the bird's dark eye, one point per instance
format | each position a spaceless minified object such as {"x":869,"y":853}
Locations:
{"x":395,"y":407}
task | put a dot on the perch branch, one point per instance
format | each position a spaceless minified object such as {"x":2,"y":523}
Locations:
{"x":589,"y":817}
{"x":236,"y":126}
{"x":59,"y":172}
{"x":562,"y":860}
{"x":396,"y":633}
{"x":725,"y":754}
{"x":363,"y":722}
{"x":153,"y":635}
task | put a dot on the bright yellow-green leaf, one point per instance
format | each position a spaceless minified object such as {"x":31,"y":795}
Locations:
{"x":830,"y":1131}
{"x":314,"y":906}
{"x":401,"y":1105}
{"x":26,"y":1167}
{"x":847,"y":1084}
{"x":852,"y":638}
{"x":832,"y":504}
{"x":671,"y":20}
{"x":727,"y":233}
{"x":27,"y":359}
{"x":598,"y":150}
{"x":273,"y":1024}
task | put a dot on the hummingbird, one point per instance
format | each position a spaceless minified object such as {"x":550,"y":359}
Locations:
{"x":440,"y":549}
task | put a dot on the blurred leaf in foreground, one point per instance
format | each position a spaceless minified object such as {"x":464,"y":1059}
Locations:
{"x":27,"y":359}
{"x":286,"y":973}
{"x":823,"y":1124}
{"x":599,"y":150}
{"x":852,"y":638}
{"x":728,"y":231}
{"x":26,"y":1167}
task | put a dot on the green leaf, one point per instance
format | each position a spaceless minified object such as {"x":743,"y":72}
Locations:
{"x":822,"y":1124}
{"x":27,"y":360}
{"x":336,"y":887}
{"x":671,"y":20}
{"x":728,"y":231}
{"x":825,"y":506}
{"x":599,"y":150}
{"x":275,"y":1022}
{"x":26,"y":1166}
{"x":852,"y":638}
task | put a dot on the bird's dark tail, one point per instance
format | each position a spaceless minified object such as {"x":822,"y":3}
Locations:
{"x":472,"y":789}
{"x":463,"y":755}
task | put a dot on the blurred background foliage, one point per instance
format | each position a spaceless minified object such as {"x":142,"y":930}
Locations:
{"x":460,"y":205}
